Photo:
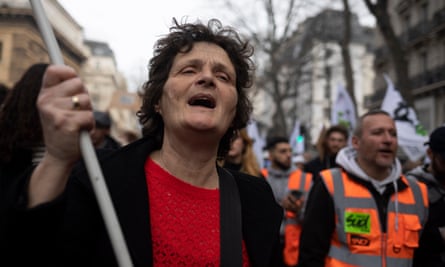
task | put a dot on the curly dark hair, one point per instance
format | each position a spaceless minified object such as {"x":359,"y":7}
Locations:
{"x":181,"y":39}
{"x":19,"y":118}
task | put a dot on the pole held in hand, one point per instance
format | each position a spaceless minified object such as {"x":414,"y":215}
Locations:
{"x":87,"y":149}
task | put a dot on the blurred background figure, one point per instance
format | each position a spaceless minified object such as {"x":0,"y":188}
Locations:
{"x":3,"y":92}
{"x":332,"y":140}
{"x":241,"y":156}
{"x":431,"y":251}
{"x":100,"y":136}
{"x":21,"y":139}
{"x":298,"y":161}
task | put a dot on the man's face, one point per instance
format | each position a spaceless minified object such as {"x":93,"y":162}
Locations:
{"x":335,"y":141}
{"x":377,"y":145}
{"x":281,"y":156}
{"x":437,"y":165}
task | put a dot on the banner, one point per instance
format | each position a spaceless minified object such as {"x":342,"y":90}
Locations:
{"x":410,"y":133}
{"x":343,"y":110}
{"x":258,"y":141}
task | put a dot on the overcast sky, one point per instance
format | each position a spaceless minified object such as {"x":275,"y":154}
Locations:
{"x":131,"y":27}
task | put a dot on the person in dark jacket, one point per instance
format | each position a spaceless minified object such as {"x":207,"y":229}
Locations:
{"x":365,"y":213}
{"x":332,"y":140}
{"x":431,"y":251}
{"x":21,"y":137}
{"x":175,"y":205}
{"x":3,"y":92}
{"x":100,"y":136}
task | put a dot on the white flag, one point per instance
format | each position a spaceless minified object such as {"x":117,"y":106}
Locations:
{"x":411,"y":135}
{"x":343,"y":110}
{"x":296,"y":141}
{"x":258,"y":141}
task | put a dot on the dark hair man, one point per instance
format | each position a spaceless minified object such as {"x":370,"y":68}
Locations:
{"x":431,"y":250}
{"x":100,"y":136}
{"x":289,"y":186}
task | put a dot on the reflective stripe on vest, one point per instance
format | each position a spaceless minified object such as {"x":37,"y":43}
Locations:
{"x":358,"y":240}
{"x":301,"y":181}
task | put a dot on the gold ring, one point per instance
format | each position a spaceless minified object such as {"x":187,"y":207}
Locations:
{"x":75,"y":101}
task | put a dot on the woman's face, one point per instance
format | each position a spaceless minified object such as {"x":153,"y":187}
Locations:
{"x":200,"y":94}
{"x":236,"y":147}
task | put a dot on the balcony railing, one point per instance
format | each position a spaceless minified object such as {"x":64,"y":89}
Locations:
{"x":429,"y":77}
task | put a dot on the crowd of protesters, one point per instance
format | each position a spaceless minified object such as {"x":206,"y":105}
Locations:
{"x":191,"y":191}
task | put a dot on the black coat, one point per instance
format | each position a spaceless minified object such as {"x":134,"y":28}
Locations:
{"x":70,"y":231}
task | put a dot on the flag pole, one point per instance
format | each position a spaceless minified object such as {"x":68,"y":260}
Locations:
{"x":87,"y":150}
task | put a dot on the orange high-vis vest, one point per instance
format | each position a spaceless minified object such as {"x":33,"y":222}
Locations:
{"x":301,"y":181}
{"x":358,"y":239}
{"x":264,"y":172}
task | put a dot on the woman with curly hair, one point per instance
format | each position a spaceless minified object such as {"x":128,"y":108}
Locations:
{"x":176,"y":207}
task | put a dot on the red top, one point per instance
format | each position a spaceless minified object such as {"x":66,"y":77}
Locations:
{"x":184,"y":224}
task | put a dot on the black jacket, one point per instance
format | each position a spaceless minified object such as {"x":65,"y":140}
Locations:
{"x":316,"y":165}
{"x":70,"y":231}
{"x":431,"y":251}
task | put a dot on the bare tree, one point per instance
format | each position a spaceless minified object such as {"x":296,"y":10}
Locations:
{"x":279,"y":53}
{"x":397,"y":52}
{"x":344,"y":45}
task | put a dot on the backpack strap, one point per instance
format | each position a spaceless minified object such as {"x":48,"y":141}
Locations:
{"x":230,"y":221}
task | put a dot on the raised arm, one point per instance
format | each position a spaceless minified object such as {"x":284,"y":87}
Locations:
{"x":65,"y":109}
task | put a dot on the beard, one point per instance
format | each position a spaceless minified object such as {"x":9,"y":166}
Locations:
{"x":281,"y":166}
{"x":439,"y":171}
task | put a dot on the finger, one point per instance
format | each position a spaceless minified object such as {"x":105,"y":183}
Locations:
{"x":56,"y":74}
{"x":78,"y":102}
{"x":71,"y":121}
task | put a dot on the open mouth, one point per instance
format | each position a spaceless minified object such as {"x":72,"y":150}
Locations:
{"x":202,"y":101}
{"x":386,"y":151}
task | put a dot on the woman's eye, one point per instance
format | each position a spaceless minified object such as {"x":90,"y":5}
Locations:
{"x":223,"y":77}
{"x":188,"y":70}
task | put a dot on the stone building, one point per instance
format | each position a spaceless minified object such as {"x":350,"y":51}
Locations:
{"x":21,"y":45}
{"x":420,"y":26}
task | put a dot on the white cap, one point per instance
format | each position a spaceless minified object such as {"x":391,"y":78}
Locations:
{"x":298,"y":159}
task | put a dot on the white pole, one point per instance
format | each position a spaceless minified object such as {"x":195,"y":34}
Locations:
{"x":90,"y":159}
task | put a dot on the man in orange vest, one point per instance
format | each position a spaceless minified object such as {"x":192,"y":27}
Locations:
{"x":365,"y":213}
{"x":289,"y":186}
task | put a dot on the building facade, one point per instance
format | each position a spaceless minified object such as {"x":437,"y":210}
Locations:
{"x":420,"y":26}
{"x":323,"y":70}
{"x":21,"y":45}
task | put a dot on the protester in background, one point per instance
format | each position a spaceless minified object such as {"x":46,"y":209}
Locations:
{"x":21,"y":138}
{"x":240,"y":157}
{"x":3,"y":92}
{"x":174,"y":204}
{"x":100,"y":136}
{"x":371,"y":214}
{"x":298,"y":161}
{"x":289,"y":186}
{"x":332,"y":140}
{"x":431,"y":251}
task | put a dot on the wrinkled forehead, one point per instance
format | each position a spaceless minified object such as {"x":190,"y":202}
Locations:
{"x":206,"y":52}
{"x":377,"y":121}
